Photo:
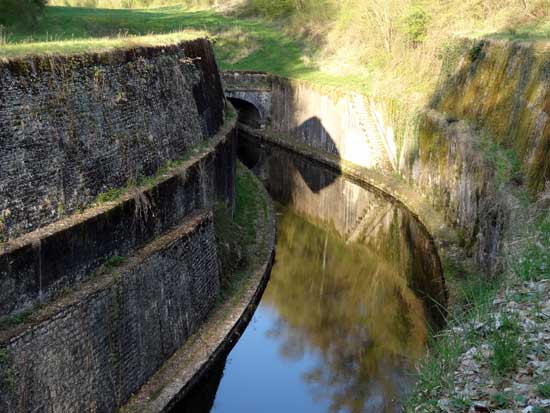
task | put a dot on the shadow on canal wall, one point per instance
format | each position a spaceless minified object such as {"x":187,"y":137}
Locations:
{"x":254,"y":155}
{"x":200,"y":399}
{"x":484,"y":135}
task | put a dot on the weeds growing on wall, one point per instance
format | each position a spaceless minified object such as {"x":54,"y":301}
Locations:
{"x":236,"y":236}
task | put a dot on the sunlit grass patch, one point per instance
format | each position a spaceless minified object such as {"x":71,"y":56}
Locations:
{"x":78,"y":46}
{"x":506,"y":347}
{"x":534,"y":263}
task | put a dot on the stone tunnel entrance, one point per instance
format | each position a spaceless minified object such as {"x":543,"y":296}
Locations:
{"x":248,"y":114}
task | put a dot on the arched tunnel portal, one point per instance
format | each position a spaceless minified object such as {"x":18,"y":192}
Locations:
{"x":248,"y":113}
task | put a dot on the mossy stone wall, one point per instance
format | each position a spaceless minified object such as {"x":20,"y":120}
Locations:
{"x":504,"y":87}
{"x":73,"y":127}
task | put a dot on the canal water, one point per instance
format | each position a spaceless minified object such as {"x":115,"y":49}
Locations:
{"x":354,"y":294}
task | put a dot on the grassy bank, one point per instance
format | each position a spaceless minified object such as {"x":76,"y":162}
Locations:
{"x":347,"y":44}
{"x":237,"y":235}
{"x":240,"y":43}
{"x":493,"y":334}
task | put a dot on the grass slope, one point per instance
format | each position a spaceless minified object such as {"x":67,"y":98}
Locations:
{"x":240,"y":43}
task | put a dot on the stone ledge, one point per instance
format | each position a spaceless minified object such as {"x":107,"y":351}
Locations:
{"x":106,"y":279}
{"x":217,"y":336}
{"x":39,"y":264}
{"x":101,"y":342}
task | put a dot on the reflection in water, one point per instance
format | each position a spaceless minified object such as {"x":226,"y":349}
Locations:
{"x":353,"y":309}
{"x":201,"y":397}
{"x":349,"y":305}
{"x":337,"y":330}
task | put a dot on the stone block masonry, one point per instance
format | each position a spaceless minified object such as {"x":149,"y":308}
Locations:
{"x":92,"y":349}
{"x":73,"y":127}
{"x":96,"y":296}
{"x":40,"y":265}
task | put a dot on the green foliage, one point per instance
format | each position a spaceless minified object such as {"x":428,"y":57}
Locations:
{"x":247,"y":205}
{"x":20,"y":12}
{"x":534,"y":263}
{"x":110,"y":195}
{"x":7,"y":383}
{"x":472,"y":298}
{"x":415,"y":25}
{"x":229,"y":241}
{"x":14,"y":320}
{"x":502,"y":400}
{"x":272,"y":8}
{"x":279,"y":8}
{"x":544,"y":390}
{"x":506,"y":347}
{"x":115,"y":261}
{"x":4,"y":357}
{"x":475,"y":294}
{"x":127,"y":4}
{"x":437,"y":372}
{"x":236,"y":235}
{"x":475,"y":51}
{"x":504,"y":161}
{"x":460,"y":404}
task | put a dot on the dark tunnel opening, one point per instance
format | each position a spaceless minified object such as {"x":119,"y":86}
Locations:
{"x":248,"y":114}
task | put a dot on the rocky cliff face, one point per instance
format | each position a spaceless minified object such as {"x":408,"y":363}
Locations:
{"x":504,"y":87}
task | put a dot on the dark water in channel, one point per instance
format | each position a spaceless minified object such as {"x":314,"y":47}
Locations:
{"x":348,"y":309}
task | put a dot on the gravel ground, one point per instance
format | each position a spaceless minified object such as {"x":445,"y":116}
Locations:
{"x":524,"y":388}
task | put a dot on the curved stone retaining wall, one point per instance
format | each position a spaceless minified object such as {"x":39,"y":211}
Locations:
{"x":169,"y":388}
{"x":95,"y":347}
{"x":448,"y":155}
{"x":436,"y":159}
{"x":43,"y":263}
{"x":317,"y":190}
{"x":91,"y":305}
{"x":76,"y":126}
{"x":504,"y":87}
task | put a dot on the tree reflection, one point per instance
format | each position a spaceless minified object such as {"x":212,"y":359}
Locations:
{"x":353,"y":306}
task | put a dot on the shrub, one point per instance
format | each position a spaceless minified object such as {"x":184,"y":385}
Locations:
{"x":20,"y":12}
{"x":415,"y":25}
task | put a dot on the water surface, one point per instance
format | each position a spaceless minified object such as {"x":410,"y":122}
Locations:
{"x":353,"y":296}
{"x":338,"y":328}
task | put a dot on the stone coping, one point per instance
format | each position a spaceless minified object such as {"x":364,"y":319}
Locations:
{"x":220,"y":332}
{"x":94,"y":211}
{"x":107,"y":277}
{"x":41,"y":62}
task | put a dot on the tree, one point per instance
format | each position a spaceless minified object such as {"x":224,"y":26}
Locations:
{"x":20,"y":12}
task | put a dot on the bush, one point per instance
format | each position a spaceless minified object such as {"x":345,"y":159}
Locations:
{"x":20,"y":12}
{"x":415,"y":25}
